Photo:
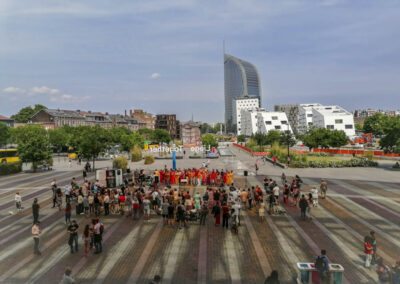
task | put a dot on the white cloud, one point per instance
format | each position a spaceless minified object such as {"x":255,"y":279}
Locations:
{"x":14,"y":90}
{"x":67,"y":98}
{"x":155,"y":75}
{"x":44,"y":90}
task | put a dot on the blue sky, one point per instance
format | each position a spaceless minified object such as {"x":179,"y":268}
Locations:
{"x":165,"y":56}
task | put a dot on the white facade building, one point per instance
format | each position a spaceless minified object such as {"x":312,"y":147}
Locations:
{"x":330,"y":117}
{"x":260,"y":120}
{"x":243,"y":103}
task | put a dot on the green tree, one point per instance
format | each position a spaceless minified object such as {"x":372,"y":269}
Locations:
{"x":147,"y":134}
{"x":116,"y":133}
{"x":91,"y":142}
{"x":5,"y":134}
{"x":33,"y":144}
{"x":338,"y":138}
{"x":209,"y":140}
{"x":287,"y":138}
{"x":206,"y":128}
{"x":391,"y":139}
{"x":59,"y":138}
{"x":376,"y":124}
{"x":316,"y":137}
{"x":272,"y":137}
{"x":241,"y":138}
{"x":260,"y":139}
{"x":129,"y":140}
{"x":359,"y":127}
{"x":161,"y":136}
{"x":26,"y":113}
{"x":218,"y":126}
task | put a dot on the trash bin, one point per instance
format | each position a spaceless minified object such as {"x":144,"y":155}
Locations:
{"x":245,"y":173}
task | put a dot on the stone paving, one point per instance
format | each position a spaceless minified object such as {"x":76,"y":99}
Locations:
{"x":136,"y":250}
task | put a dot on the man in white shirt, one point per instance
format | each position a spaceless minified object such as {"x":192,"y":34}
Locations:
{"x":18,"y":201}
{"x":236,"y":212}
{"x":35,"y":234}
{"x":276,"y":193}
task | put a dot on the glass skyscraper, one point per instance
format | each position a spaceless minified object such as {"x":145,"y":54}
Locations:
{"x":241,"y":80}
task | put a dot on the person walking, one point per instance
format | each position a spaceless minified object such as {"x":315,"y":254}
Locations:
{"x":86,"y":239}
{"x":310,"y":205}
{"x":146,"y":208}
{"x":368,"y":251}
{"x":68,"y":210}
{"x":36,"y":231}
{"x":73,"y":236}
{"x":324,"y":188}
{"x":98,"y":232}
{"x":261,"y":211}
{"x":18,"y":201}
{"x":322,"y":266}
{"x":35,"y":210}
{"x":303,"y":204}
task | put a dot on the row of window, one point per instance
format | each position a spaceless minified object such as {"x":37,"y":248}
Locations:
{"x":347,"y":126}
{"x":268,"y":122}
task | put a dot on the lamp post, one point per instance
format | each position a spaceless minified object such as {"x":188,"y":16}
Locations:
{"x":288,"y":142}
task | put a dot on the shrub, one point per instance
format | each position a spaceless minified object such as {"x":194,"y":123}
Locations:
{"x":120,"y":163}
{"x":10,"y":168}
{"x":369,"y":154}
{"x":251,"y":143}
{"x":136,"y":154}
{"x":149,"y":159}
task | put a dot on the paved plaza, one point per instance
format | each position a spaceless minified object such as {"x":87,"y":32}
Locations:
{"x":360,"y":200}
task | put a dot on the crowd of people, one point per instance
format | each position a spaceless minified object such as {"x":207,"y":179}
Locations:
{"x":178,"y":206}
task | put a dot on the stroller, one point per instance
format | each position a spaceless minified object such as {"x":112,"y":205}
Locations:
{"x":192,"y":215}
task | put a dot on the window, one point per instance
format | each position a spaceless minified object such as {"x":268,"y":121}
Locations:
{"x":310,"y":124}
{"x":277,"y":127}
{"x":274,"y":118}
{"x":283,"y":122}
{"x":309,"y":115}
{"x":268,"y":122}
{"x":329,"y":127}
{"x":338,"y":121}
{"x":349,"y":126}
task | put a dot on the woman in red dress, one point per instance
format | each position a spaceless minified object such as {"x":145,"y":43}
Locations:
{"x":217,"y":213}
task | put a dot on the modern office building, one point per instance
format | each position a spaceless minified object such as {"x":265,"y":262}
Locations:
{"x":262,"y":121}
{"x":245,"y":103}
{"x":241,"y":80}
{"x":330,"y":117}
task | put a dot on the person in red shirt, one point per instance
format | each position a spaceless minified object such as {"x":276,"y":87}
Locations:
{"x":368,"y":250}
{"x":225,"y":215}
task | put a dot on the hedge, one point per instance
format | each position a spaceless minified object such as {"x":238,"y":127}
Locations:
{"x":149,"y":159}
{"x":355,"y":162}
{"x":10,"y":168}
{"x":136,"y":154}
{"x":120,"y":163}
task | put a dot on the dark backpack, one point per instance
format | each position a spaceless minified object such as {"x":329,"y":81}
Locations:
{"x":319,"y":263}
{"x":180,"y":209}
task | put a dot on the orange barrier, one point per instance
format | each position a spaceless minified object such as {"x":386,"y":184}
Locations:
{"x":260,"y":154}
{"x":242,"y":147}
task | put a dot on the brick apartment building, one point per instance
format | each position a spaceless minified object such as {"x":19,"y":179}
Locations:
{"x":168,"y":122}
{"x":143,"y":116}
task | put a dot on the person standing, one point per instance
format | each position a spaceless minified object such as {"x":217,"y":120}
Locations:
{"x":322,"y":266}
{"x":324,"y":188}
{"x":373,"y":244}
{"x":273,"y":278}
{"x":35,"y":234}
{"x":261,"y":211}
{"x":106,"y":204}
{"x":146,"y":208}
{"x":303,"y":204}
{"x":73,"y":236}
{"x":225,"y":215}
{"x":18,"y":201}
{"x":68,"y":210}
{"x":35,"y":210}
{"x":217,"y":213}
{"x":86,"y":239}
{"x":98,"y":231}
{"x":203,"y":213}
{"x":368,"y":251}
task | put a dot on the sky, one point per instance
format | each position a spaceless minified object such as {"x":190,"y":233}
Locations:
{"x":167,"y":56}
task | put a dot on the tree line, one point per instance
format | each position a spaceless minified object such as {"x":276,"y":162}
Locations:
{"x":37,"y":145}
